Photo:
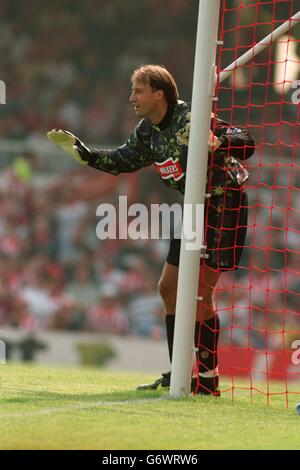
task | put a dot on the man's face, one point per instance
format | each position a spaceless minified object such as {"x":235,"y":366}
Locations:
{"x":144,"y":99}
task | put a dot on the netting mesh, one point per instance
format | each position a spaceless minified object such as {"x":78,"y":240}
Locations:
{"x":259,"y":303}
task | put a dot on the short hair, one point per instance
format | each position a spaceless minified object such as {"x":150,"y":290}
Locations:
{"x":159,"y":78}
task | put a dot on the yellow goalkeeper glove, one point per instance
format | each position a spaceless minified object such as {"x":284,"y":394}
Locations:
{"x":70,"y":144}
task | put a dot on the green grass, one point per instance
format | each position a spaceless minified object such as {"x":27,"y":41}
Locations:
{"x":85,"y":408}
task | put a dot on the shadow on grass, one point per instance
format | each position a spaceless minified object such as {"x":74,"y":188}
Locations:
{"x":31,"y":397}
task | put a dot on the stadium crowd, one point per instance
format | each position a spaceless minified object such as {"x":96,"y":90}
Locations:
{"x":56,"y":273}
{"x":67,"y":65}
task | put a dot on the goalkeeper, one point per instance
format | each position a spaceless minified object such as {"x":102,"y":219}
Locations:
{"x":161,"y":139}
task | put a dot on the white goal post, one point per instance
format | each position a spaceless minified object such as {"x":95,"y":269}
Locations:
{"x":203,"y":89}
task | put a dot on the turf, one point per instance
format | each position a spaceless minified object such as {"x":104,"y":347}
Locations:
{"x":85,"y":408}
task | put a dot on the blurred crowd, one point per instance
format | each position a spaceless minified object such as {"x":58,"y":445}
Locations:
{"x":67,"y":64}
{"x":56,"y":274}
{"x":54,"y":271}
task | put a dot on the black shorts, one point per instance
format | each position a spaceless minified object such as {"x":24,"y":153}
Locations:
{"x":225,"y":232}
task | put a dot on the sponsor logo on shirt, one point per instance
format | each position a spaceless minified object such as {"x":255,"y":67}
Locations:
{"x":169,"y":169}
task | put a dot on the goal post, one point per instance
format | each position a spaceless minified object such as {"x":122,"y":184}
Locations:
{"x":202,"y":95}
{"x":204,"y":82}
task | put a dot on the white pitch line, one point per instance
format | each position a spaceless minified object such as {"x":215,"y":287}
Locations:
{"x":78,"y":406}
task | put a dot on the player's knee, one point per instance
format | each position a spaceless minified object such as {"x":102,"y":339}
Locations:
{"x":205,"y":312}
{"x":206,"y":291}
{"x":206,"y":308}
{"x":166,"y":290}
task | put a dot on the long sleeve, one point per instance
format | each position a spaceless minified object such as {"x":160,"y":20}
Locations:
{"x":132,"y":156}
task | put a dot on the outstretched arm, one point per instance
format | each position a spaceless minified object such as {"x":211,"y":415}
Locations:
{"x":127,"y":158}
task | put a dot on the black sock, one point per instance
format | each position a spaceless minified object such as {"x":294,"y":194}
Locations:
{"x":206,"y":340}
{"x":170,"y":326}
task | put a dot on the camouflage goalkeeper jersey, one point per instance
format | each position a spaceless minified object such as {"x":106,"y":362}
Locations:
{"x":165,"y":147}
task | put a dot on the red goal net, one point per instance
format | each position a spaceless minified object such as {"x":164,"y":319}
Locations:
{"x":259,"y":303}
